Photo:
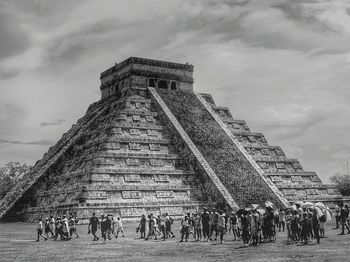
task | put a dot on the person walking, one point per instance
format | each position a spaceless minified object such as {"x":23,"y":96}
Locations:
{"x":39,"y":230}
{"x":93,"y":226}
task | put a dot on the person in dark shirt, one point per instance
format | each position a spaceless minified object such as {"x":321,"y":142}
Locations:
{"x":245,"y":228}
{"x":316,"y":225}
{"x":305,"y":229}
{"x":344,"y":214}
{"x":93,"y":226}
{"x":143,"y":226}
{"x":205,"y":224}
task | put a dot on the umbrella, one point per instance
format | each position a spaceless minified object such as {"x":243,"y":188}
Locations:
{"x":328,"y":214}
{"x":308,"y":205}
{"x":271,"y":205}
{"x":261,"y":211}
{"x":325,"y":211}
{"x":320,"y":205}
{"x":254,"y":206}
{"x":299,"y":203}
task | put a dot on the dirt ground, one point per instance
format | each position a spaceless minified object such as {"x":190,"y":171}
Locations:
{"x":17,"y":243}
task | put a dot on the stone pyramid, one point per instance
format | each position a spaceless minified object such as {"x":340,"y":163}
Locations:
{"x":152,"y":145}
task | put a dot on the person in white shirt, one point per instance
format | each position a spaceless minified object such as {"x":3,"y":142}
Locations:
{"x":221,"y":225}
{"x":118,"y":227}
{"x":39,"y":230}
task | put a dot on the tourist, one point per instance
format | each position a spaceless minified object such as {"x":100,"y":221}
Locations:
{"x":234,"y":225}
{"x":281,"y":220}
{"x":58,"y":228}
{"x":221,"y":225}
{"x":65,"y":228}
{"x":118,"y":226}
{"x":255,"y":227}
{"x":104,"y":227}
{"x":316,"y":226}
{"x":52,"y":226}
{"x":39,"y":230}
{"x":142,"y":226}
{"x":344,"y":214}
{"x":305,"y":229}
{"x":289,"y":219}
{"x":322,"y":225}
{"x":197,"y":227}
{"x":168,"y":223}
{"x":245,"y":228}
{"x":185,"y":229}
{"x":47,"y":228}
{"x":205,"y":218}
{"x":152,"y":227}
{"x":93,"y":226}
{"x":161,"y":225}
{"x":213,"y":224}
{"x":269,"y":224}
{"x":337,"y":216}
{"x":73,"y":221}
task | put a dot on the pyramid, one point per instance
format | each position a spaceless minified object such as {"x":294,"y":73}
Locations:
{"x":153,"y":145}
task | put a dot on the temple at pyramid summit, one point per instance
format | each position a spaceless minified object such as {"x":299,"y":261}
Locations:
{"x":152,"y":144}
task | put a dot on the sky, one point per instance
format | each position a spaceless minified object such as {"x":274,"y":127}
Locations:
{"x":283,"y":66}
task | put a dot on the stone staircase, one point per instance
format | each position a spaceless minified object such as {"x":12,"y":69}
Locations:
{"x":286,"y":174}
{"x":233,"y":166}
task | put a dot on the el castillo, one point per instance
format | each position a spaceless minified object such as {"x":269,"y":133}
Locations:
{"x":153,"y":144}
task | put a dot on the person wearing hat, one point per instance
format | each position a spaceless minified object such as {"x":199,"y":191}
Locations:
{"x":93,"y":225}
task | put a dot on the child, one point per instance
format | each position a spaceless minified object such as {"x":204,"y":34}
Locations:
{"x":39,"y":230}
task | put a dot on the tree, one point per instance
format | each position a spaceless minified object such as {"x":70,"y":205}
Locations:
{"x":342,"y":183}
{"x":10,"y":174}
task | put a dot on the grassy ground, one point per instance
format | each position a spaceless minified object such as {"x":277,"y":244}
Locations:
{"x":17,"y":242}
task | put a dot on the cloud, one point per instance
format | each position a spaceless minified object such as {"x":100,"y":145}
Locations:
{"x":53,"y":123}
{"x":6,"y":73}
{"x":14,"y":39}
{"x":37,"y":142}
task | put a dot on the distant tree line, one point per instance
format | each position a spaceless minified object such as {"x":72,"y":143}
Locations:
{"x":10,"y":174}
{"x":342,"y":182}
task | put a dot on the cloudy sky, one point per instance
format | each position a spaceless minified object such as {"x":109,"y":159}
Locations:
{"x":283,"y":66}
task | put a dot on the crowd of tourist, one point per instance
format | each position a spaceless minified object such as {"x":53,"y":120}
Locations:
{"x":64,"y":228}
{"x":304,"y":223}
